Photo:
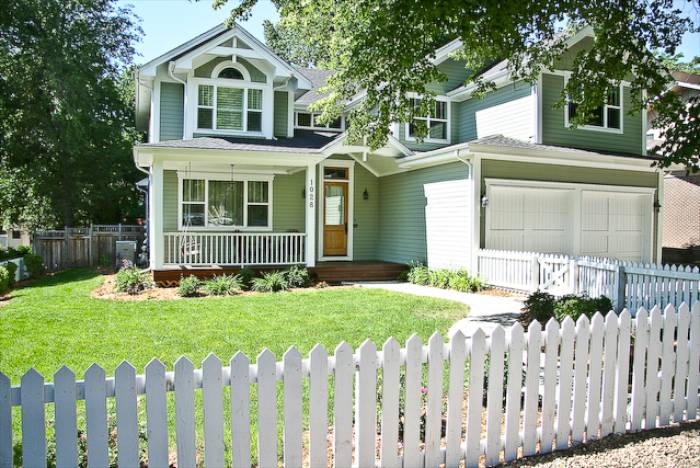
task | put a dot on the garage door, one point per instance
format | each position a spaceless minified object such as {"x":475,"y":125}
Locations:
{"x":616,"y":225}
{"x":529,"y":219}
{"x":448,"y":223}
{"x":574,"y":219}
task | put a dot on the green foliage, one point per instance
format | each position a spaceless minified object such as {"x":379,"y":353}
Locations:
{"x":459,"y":280}
{"x":542,"y":306}
{"x":24,"y":249}
{"x":574,"y":306}
{"x":12,"y":270}
{"x":132,"y":280}
{"x":418,"y":274}
{"x":385,"y":49}
{"x":222,"y":285}
{"x":271,"y":282}
{"x":298,"y":276}
{"x":189,"y":286}
{"x":287,"y":43}
{"x":4,"y":279}
{"x":66,"y":113}
{"x":34,"y":264}
{"x":246,"y":275}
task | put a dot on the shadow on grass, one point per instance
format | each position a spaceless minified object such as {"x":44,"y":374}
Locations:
{"x":58,"y":279}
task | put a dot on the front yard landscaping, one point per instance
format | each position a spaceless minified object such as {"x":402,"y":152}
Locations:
{"x":55,"y":321}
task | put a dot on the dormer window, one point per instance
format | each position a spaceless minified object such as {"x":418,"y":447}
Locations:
{"x":229,"y":102}
{"x":605,"y":118}
{"x":231,"y":73}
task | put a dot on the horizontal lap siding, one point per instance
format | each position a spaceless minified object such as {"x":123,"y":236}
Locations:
{"x":281,"y":115}
{"x":169,"y":200}
{"x":555,"y":133}
{"x":287,"y":202}
{"x":366,"y":215}
{"x":402,"y":211}
{"x":171,"y":111}
{"x":465,"y":115}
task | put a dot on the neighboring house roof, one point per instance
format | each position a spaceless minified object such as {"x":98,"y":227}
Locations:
{"x":308,"y":140}
{"x":318,"y":79}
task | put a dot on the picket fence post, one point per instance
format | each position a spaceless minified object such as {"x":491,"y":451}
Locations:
{"x":534,"y":273}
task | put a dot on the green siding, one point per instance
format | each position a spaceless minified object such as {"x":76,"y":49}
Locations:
{"x":465,"y":115}
{"x":366,"y":215}
{"x":287,"y":202}
{"x":402,"y":211}
{"x":172,"y":97}
{"x":205,"y":70}
{"x":555,"y":133}
{"x":281,"y":106}
{"x":554,"y":173}
{"x":170,"y":201}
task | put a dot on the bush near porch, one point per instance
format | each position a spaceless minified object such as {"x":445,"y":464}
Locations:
{"x":54,"y":321}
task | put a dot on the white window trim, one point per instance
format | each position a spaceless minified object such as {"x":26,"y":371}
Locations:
{"x":245,"y":178}
{"x":595,"y":128}
{"x":350,"y":165}
{"x":313,"y":121}
{"x":427,"y":119}
{"x":245,"y":86}
{"x":230,"y":64}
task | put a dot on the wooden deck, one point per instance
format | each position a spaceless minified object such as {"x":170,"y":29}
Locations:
{"x":331,"y":272}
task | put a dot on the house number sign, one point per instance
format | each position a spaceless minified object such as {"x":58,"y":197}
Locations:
{"x":311,"y":193}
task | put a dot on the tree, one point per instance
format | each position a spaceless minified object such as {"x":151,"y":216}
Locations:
{"x":66,"y":119}
{"x":288,"y":44}
{"x":677,"y":62}
{"x":384,"y":49}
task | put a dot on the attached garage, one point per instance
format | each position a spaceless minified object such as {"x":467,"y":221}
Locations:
{"x":578,"y":219}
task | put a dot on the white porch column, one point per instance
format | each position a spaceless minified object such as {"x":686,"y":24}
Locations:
{"x":155,"y":216}
{"x":311,"y":215}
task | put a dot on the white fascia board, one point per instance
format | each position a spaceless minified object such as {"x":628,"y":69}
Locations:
{"x":444,"y":52}
{"x":463,"y":93}
{"x":684,"y":84}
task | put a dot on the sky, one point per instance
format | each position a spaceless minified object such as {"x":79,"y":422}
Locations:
{"x":169,"y":23}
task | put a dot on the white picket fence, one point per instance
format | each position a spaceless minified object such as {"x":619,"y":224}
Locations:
{"x":574,"y":380}
{"x":627,"y":284}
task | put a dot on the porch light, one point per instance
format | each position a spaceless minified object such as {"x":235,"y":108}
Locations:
{"x":365,"y":195}
{"x":484,"y":201}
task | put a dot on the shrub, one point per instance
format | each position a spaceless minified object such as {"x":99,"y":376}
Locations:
{"x":418,"y":274}
{"x":34,"y":264}
{"x":298,"y":277}
{"x":224,"y":285}
{"x":439,"y":278}
{"x":4,"y":280}
{"x":246,"y":276}
{"x":131,"y":280}
{"x":189,"y":286}
{"x":538,"y":306}
{"x":271,"y":282}
{"x":574,"y":306}
{"x":460,"y":280}
{"x":24,"y":250}
{"x":12,"y":270}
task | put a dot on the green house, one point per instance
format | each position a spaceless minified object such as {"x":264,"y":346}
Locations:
{"x":241,"y":173}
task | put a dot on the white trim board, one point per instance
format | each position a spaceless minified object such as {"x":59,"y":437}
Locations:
{"x":350,"y":165}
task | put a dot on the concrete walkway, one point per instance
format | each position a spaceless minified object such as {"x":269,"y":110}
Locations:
{"x":485,"y":311}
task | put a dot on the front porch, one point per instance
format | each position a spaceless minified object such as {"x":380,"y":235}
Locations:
{"x":331,"y":272}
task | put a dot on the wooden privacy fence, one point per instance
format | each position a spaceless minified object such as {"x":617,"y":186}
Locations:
{"x":627,"y":284}
{"x":78,"y":247}
{"x":538,"y":391}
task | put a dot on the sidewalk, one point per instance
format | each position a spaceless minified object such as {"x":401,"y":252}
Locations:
{"x":485,"y":311}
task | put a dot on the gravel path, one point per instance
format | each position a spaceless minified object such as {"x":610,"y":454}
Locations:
{"x":672,"y":447}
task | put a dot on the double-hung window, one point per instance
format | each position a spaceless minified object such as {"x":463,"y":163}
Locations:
{"x":228,"y":108}
{"x":607,"y":116}
{"x":310,"y":120}
{"x":225,"y":204}
{"x":437,"y":122}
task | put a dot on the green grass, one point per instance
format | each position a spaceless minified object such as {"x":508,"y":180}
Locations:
{"x":55,"y":322}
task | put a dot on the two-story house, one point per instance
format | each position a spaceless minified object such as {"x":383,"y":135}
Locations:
{"x":241,"y":173}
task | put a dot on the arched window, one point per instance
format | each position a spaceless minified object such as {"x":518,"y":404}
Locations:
{"x":231,"y":74}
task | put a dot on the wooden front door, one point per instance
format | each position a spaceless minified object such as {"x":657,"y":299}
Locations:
{"x":335,"y":219}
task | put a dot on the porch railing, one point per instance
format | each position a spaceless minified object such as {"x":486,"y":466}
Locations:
{"x":218,"y":248}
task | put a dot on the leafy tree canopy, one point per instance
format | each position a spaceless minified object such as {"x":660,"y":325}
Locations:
{"x":384,"y":49}
{"x":66,"y":112}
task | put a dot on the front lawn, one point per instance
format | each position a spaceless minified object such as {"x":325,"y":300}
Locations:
{"x":55,"y":321}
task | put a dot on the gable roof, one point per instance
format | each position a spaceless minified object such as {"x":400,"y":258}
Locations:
{"x":318,"y":78}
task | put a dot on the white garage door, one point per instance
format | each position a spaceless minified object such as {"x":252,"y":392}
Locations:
{"x":616,"y":225}
{"x":570,"y":218}
{"x":448,"y":223}
{"x":528,"y":219}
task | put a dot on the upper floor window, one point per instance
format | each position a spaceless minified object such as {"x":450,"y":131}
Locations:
{"x":606,"y":117}
{"x":309,"y":120}
{"x":231,"y":74}
{"x":437,"y":122}
{"x":228,"y":108}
